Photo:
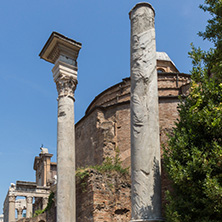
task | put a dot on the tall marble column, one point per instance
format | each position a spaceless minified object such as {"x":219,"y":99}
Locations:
{"x":145,"y":145}
{"x":63,"y":52}
{"x":29,"y":201}
{"x":11,"y":208}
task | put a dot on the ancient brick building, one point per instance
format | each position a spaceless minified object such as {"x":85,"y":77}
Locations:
{"x":106,"y":124}
{"x":25,"y":197}
{"x":103,"y":130}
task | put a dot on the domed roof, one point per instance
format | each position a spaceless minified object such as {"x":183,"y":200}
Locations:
{"x":162,"y":56}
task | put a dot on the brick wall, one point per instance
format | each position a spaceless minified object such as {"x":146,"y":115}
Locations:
{"x":103,"y":197}
{"x":106,"y":125}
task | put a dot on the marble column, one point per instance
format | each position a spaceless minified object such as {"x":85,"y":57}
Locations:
{"x":63,"y":52}
{"x":145,"y":144}
{"x":29,"y":201}
{"x":11,"y":209}
{"x":19,"y":213}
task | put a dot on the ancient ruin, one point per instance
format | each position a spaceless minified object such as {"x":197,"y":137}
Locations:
{"x":38,"y":191}
{"x":153,"y":89}
{"x":105,"y":128}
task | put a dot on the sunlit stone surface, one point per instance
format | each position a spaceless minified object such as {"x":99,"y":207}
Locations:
{"x":145,"y":145}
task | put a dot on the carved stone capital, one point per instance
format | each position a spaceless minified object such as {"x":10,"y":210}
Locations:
{"x":29,"y":200}
{"x":66,"y":86}
{"x":11,"y":198}
{"x":19,"y":211}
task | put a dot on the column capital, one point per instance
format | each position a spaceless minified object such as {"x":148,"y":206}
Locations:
{"x":65,"y":77}
{"x":66,"y":86}
{"x":12,"y":198}
{"x":19,"y":212}
{"x":63,"y":52}
{"x":29,"y":199}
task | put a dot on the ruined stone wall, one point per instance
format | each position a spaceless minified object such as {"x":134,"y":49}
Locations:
{"x":101,"y":134}
{"x":89,"y":140}
{"x":103,"y":197}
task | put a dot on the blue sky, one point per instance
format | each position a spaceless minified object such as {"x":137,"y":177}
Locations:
{"x":28,"y":111}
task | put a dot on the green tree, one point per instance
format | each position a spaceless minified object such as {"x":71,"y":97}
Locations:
{"x":193,"y":158}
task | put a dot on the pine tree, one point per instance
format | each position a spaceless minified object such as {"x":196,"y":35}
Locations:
{"x":193,"y":158}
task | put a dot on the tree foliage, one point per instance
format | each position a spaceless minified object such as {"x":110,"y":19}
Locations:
{"x":193,"y":158}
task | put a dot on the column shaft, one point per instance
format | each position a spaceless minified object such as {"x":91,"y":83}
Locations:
{"x":63,"y":52}
{"x":66,"y":160}
{"x":145,"y":145}
{"x":29,"y":207}
{"x":11,"y":209}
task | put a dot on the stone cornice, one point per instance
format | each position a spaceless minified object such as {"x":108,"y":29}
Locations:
{"x":11,"y":198}
{"x":57,"y":45}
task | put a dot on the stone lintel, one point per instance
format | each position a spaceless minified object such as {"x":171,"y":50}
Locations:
{"x":58,"y":45}
{"x":25,"y":189}
{"x":33,"y":194}
{"x":25,"y":185}
{"x":142,"y":4}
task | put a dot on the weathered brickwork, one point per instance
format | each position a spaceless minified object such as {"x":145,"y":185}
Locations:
{"x":103,"y":197}
{"x":106,"y":125}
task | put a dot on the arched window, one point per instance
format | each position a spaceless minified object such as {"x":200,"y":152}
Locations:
{"x":160,"y":70}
